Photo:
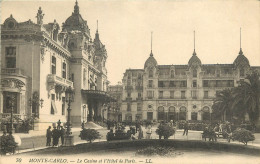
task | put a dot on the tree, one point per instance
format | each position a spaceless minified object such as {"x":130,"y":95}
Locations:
{"x":247,"y":97}
{"x":222,"y":105}
{"x":89,"y":135}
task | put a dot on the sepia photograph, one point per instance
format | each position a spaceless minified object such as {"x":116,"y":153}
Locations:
{"x":130,"y":81}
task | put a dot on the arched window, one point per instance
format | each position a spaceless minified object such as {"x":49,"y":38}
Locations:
{"x":242,"y":72}
{"x":150,"y":73}
{"x":161,"y":114}
{"x":183,"y":113}
{"x":172,"y":73}
{"x":205,"y":113}
{"x":194,"y":73}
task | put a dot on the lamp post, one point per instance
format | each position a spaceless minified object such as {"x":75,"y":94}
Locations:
{"x":37,"y":102}
{"x":69,"y":98}
{"x":12,"y":99}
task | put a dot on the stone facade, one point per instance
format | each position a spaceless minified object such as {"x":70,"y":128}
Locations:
{"x":178,"y":92}
{"x":40,"y":61}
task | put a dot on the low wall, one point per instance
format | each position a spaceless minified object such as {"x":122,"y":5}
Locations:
{"x":128,"y":144}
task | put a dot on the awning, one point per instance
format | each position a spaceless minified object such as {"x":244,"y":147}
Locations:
{"x":99,"y":95}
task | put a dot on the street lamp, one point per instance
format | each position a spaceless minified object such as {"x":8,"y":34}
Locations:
{"x":36,"y":102}
{"x":69,"y":98}
{"x":12,"y":99}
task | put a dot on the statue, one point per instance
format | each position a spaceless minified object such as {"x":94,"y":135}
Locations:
{"x":40,"y":16}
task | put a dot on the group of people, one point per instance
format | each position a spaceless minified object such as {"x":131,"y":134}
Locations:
{"x":55,"y":134}
{"x":135,"y":132}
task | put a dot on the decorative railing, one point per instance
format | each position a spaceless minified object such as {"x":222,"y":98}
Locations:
{"x":139,"y":98}
{"x":128,"y":87}
{"x":128,"y":99}
{"x":5,"y":115}
{"x":56,"y":79}
{"x":139,"y":87}
{"x":10,"y":71}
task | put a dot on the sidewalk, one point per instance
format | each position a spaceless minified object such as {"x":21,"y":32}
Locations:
{"x":35,"y":133}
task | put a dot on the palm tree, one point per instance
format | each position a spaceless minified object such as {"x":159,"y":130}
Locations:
{"x":222,"y":104}
{"x":247,"y":97}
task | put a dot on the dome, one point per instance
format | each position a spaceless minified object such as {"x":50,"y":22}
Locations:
{"x":10,"y":22}
{"x":75,"y":21}
{"x":194,"y":59}
{"x":150,"y":61}
{"x":241,"y":59}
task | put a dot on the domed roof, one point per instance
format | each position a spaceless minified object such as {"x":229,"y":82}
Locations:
{"x":241,"y":59}
{"x":194,"y":59}
{"x":150,"y":61}
{"x":75,"y":21}
{"x":10,"y":22}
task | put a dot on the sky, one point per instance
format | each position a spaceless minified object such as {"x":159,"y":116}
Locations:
{"x":125,"y":28}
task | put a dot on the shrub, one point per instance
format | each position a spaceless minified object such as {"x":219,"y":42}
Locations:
{"x":89,"y":135}
{"x":165,"y":130}
{"x":158,"y":151}
{"x":8,"y":145}
{"x":243,"y":135}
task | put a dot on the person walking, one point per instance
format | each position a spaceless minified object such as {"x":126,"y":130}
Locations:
{"x":186,"y":128}
{"x":62,"y":134}
{"x":48,"y":136}
{"x":55,"y":136}
{"x":140,"y":134}
{"x":149,"y":132}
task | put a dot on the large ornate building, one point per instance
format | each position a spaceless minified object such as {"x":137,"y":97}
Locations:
{"x":178,"y":92}
{"x":40,"y":61}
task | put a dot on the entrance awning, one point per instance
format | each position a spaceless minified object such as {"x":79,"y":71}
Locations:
{"x":99,"y":95}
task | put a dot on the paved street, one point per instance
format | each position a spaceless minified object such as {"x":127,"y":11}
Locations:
{"x":39,"y":141}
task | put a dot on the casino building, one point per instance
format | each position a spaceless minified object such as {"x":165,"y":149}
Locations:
{"x":178,"y":92}
{"x":40,"y":61}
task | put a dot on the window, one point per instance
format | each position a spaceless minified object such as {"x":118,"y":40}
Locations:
{"x":160,"y":94}
{"x":64,"y":70}
{"x":242,"y":72}
{"x":150,"y":73}
{"x":206,"y":94}
{"x":183,"y":94}
{"x":129,"y":76}
{"x":10,"y":100}
{"x":183,"y":84}
{"x":205,"y":83}
{"x":128,"y":107}
{"x":150,"y":94}
{"x":53,"y":107}
{"x":172,"y":74}
{"x":171,"y":94}
{"x":194,"y":115}
{"x":139,"y":106}
{"x":53,"y":65}
{"x":218,"y":73}
{"x":10,"y":57}
{"x":128,"y":94}
{"x":139,"y":95}
{"x":194,"y":84}
{"x":194,"y":94}
{"x":194,"y":73}
{"x":160,"y":84}
{"x":63,"y":106}
{"x":149,"y":115}
{"x":72,"y":77}
{"x":172,"y":84}
{"x":150,"y":85}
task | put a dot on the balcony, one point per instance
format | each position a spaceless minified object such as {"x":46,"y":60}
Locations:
{"x":139,"y":87}
{"x":12,"y":71}
{"x":128,"y":87}
{"x":8,"y":115}
{"x":59,"y":80}
{"x":139,"y":98}
{"x":128,"y":99}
